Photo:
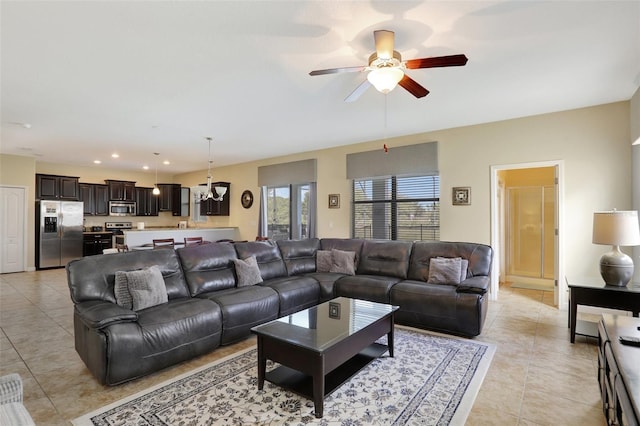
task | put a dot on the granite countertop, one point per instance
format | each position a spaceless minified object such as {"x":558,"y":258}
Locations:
{"x":96,"y":232}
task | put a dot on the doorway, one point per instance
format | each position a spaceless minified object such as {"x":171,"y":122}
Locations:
{"x":12,"y":229}
{"x":526,"y":221}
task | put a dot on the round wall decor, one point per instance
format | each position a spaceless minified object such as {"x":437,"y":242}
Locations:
{"x":246,"y":199}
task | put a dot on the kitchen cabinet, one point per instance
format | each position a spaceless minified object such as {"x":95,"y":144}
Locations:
{"x":52,"y":187}
{"x":95,"y":198}
{"x":95,"y":242}
{"x":146,"y":202}
{"x":172,"y":200}
{"x":216,"y":208}
{"x":120,"y":190}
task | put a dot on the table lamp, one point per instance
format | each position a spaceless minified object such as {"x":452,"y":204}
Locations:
{"x":617,"y":228}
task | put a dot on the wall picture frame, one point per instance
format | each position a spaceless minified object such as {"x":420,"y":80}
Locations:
{"x":334,"y":310}
{"x":334,"y":201}
{"x":461,"y":195}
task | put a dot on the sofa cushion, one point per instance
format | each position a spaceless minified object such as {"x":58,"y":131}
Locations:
{"x":385,"y":258}
{"x":243,"y":308}
{"x":146,"y":288}
{"x":375,"y":288}
{"x":267,"y":255}
{"x":323,"y":260}
{"x":344,"y":244}
{"x":295,"y":293}
{"x":299,"y":255}
{"x":445,"y":270}
{"x":247,"y":271}
{"x":343,"y":262}
{"x":478,"y":255}
{"x":92,"y":277}
{"x":208,"y":267}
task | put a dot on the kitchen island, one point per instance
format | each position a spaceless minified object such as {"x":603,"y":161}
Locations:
{"x":135,"y":238}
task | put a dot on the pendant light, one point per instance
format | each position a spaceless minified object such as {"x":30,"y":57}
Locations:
{"x":156,"y":190}
{"x":220,"y":190}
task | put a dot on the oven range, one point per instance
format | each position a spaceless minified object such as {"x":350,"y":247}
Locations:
{"x":116,"y":228}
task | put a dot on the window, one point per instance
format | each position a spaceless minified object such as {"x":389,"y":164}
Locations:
{"x":397,"y":208}
{"x":288,"y":211}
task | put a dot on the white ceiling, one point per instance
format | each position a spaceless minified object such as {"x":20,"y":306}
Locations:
{"x":137,"y":77}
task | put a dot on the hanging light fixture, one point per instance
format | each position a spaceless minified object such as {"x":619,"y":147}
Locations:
{"x":386,"y":78}
{"x":220,"y":190}
{"x":156,"y":190}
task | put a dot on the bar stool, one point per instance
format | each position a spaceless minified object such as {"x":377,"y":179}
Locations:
{"x":163,"y":243}
{"x":122,"y":248}
{"x":192,"y":241}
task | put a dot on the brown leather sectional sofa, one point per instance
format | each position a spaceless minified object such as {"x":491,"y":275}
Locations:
{"x":206,"y":308}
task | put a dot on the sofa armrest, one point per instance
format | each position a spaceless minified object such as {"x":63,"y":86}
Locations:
{"x":476,"y":285}
{"x":98,"y":314}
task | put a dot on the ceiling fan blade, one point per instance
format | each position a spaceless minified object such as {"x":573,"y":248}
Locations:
{"x":353,"y":96}
{"x":384,"y":43}
{"x":412,"y":86}
{"x":337,"y":70}
{"x":437,"y":61}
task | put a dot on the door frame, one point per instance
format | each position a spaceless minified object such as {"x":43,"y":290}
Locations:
{"x":560,"y":288}
{"x":25,"y":224}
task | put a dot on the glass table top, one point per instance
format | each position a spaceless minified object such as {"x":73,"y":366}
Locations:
{"x":322,"y":326}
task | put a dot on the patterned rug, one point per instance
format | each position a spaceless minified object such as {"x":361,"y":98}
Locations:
{"x":431,"y":380}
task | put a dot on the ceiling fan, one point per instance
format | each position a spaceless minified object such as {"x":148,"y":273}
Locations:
{"x":387,"y":69}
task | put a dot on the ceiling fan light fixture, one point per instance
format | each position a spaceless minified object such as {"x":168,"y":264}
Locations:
{"x":385,"y":79}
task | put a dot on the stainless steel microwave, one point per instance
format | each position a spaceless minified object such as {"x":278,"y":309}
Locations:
{"x":122,"y":208}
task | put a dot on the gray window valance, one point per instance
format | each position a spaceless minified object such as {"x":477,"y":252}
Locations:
{"x":420,"y":159}
{"x":303,"y":171}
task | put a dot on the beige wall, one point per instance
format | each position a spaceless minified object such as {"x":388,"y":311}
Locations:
{"x":593,"y":142}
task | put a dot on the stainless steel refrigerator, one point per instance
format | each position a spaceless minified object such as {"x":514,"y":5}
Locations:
{"x":58,"y":232}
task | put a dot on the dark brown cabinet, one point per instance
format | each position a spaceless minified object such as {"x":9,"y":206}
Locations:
{"x":95,"y":198}
{"x":95,"y":243}
{"x":216,"y":208}
{"x":172,"y":199}
{"x":146,"y":202}
{"x":120,"y":190}
{"x":52,"y":187}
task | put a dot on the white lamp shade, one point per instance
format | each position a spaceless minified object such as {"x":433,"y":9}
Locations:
{"x":221,"y":190}
{"x":385,"y":79}
{"x":617,"y":228}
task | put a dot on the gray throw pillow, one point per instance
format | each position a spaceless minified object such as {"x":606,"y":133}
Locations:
{"x":464,"y":267}
{"x":146,"y":287}
{"x":247,"y":271}
{"x":323,"y":261}
{"x":343,"y":262}
{"x":444,"y":270}
{"x":121,"y":290}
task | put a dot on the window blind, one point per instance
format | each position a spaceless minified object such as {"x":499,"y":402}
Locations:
{"x":410,"y":160}
{"x":303,"y":171}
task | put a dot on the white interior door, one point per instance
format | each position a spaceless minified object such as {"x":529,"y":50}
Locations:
{"x":12,"y":233}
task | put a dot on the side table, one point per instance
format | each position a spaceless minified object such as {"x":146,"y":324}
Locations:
{"x":593,"y":292}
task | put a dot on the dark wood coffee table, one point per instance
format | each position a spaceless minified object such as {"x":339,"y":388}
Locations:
{"x":320,"y":348}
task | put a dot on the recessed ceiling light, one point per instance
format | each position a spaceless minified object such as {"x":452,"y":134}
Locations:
{"x":115,"y":155}
{"x":97,"y":162}
{"x":145,"y":167}
{"x":166,"y":162}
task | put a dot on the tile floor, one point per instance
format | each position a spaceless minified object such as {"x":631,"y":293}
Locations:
{"x":536,"y":378}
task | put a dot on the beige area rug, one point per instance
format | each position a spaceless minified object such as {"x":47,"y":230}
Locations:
{"x":433,"y":379}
